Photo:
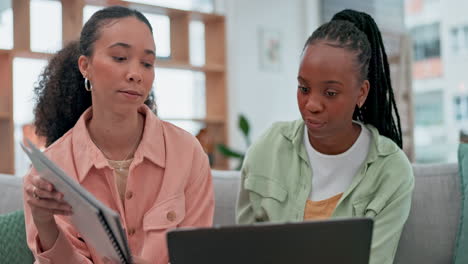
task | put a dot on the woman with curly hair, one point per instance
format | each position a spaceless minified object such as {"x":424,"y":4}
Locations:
{"x":344,"y":157}
{"x":95,"y":110}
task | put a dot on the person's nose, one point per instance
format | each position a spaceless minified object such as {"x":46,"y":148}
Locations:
{"x":314,"y":104}
{"x":134,"y":73}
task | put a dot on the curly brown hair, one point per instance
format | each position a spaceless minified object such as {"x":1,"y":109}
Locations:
{"x":61,"y":97}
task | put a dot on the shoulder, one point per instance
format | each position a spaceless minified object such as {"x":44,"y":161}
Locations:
{"x":276,"y":145}
{"x":280,"y":134}
{"x":389,"y":165}
{"x":61,"y":146}
{"x":178,"y":137}
{"x":183,"y":150}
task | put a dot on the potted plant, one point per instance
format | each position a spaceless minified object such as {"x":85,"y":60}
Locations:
{"x":243,"y":125}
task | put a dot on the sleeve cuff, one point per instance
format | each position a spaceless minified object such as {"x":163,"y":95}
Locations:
{"x":61,"y":252}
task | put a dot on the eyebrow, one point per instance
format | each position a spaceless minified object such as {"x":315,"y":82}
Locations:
{"x":127,"y":46}
{"x":299,"y":78}
{"x":333,"y":82}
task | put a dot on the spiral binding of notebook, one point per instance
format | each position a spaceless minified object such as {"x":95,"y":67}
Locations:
{"x":116,"y":246}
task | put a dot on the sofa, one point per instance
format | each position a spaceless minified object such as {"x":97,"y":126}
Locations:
{"x":429,"y":235}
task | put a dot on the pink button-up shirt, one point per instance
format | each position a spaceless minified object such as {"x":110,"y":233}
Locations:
{"x":169,"y":185}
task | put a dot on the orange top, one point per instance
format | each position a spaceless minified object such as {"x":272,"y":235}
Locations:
{"x":169,"y":185}
{"x":121,"y":175}
{"x":317,"y":210}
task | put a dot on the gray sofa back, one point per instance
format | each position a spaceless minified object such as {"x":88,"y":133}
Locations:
{"x":428,"y":237}
{"x":11,"y":193}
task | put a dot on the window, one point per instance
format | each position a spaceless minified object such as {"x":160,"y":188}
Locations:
{"x":180,"y":96}
{"x":197,"y":43}
{"x":459,"y":39}
{"x":181,"y":80}
{"x":465,"y":31}
{"x":454,"y":40}
{"x":88,"y":11}
{"x":25,"y":75}
{"x":159,"y":23}
{"x":461,"y":107}
{"x":426,"y":42}
{"x":161,"y":32}
{"x":6,"y":25}
{"x":198,"y":5}
{"x":46,"y":14}
{"x":429,"y":109}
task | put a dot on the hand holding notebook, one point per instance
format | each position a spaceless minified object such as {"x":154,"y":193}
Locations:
{"x":99,"y":226}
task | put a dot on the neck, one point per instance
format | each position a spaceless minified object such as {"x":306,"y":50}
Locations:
{"x":337,"y":143}
{"x":117,"y":135}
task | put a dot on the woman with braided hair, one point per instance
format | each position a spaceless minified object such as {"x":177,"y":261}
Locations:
{"x":344,"y":157}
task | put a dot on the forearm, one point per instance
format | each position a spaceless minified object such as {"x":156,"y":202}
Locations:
{"x":48,"y":233}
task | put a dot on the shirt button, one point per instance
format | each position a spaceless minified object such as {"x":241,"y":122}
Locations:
{"x":131,"y":231}
{"x":129,"y":195}
{"x":171,"y":216}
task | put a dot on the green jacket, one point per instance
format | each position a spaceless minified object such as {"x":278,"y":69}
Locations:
{"x":276,"y":183}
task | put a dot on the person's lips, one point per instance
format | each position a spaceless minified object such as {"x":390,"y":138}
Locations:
{"x":131,"y":93}
{"x":314,"y":123}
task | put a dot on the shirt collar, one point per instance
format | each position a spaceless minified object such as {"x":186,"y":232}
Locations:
{"x":86,"y":154}
{"x":380,"y":146}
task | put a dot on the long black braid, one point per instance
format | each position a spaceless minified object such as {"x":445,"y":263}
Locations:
{"x":358,"y":32}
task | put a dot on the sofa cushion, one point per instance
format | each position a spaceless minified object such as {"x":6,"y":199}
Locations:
{"x":429,"y":234}
{"x":226,"y":186}
{"x":461,"y":249}
{"x":13,"y":239}
{"x":11,"y":192}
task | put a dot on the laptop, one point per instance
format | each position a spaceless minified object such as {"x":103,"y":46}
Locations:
{"x":334,"y":241}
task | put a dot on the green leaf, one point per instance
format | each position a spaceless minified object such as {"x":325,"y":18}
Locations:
{"x":244,"y":125}
{"x":228,"y":152}
{"x":241,"y":162}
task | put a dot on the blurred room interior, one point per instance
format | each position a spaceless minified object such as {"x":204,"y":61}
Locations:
{"x":220,"y":60}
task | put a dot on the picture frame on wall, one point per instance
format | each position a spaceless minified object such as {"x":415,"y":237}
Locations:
{"x":270,"y":49}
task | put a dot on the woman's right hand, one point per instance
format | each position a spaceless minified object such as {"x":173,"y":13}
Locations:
{"x":44,"y":200}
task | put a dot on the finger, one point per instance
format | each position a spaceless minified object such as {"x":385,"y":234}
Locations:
{"x":53,"y":211}
{"x":49,"y":204}
{"x":37,"y":193}
{"x":42,"y":184}
{"x":54,"y":195}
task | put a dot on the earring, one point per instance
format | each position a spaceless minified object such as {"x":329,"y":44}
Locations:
{"x":359,"y":112}
{"x":87,"y":85}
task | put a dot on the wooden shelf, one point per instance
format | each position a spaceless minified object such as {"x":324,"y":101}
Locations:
{"x":168,"y":63}
{"x":72,"y":16}
{"x":214,"y":68}
{"x":4,"y":116}
{"x":154,"y":9}
{"x":32,"y":55}
{"x":4,"y":51}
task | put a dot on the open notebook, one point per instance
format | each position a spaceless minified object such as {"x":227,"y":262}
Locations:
{"x":98,"y":225}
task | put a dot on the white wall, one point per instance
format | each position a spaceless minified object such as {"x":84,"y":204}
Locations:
{"x":264,"y":97}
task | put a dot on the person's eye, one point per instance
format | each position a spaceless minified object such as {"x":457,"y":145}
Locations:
{"x":147,"y":65}
{"x":303,"y":89}
{"x":331,"y":93}
{"x":119,"y":59}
